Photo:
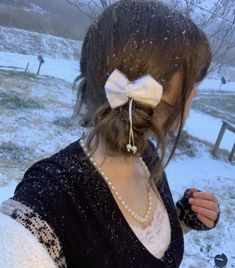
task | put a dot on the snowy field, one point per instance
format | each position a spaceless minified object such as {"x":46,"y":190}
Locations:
{"x":59,"y":68}
{"x":35,"y":118}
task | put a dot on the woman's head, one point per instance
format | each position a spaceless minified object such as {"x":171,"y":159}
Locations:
{"x":138,"y":38}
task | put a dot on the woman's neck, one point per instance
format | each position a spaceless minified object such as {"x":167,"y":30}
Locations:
{"x":126,"y":167}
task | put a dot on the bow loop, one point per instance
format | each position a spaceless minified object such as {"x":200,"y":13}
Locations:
{"x":119,"y":89}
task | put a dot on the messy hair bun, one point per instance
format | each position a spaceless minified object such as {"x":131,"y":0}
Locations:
{"x":112,"y":126}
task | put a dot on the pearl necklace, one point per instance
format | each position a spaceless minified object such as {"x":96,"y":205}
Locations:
{"x":130,"y":211}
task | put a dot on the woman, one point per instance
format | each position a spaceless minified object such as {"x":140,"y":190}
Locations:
{"x":104,"y":200}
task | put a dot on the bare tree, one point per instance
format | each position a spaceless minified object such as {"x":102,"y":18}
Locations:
{"x":185,"y":6}
{"x":218,"y":21}
{"x":91,"y":8}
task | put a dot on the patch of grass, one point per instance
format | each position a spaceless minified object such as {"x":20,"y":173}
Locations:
{"x":65,"y":122}
{"x":186,"y":146}
{"x":189,"y":145}
{"x":11,"y":100}
{"x":222,"y":154}
{"x":12,"y":151}
{"x":217,"y":104}
{"x":17,"y":74}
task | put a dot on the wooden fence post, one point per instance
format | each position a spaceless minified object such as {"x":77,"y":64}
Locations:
{"x":26,"y":69}
{"x":219,"y":138}
{"x":41,"y":61}
{"x":230,"y":158}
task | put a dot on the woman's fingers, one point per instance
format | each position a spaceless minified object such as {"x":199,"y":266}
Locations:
{"x":207,"y":213}
{"x":209,"y":223}
{"x":204,"y":203}
{"x":205,"y":196}
{"x":192,"y":191}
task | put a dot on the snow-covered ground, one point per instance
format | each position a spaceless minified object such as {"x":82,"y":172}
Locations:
{"x":215,"y":84}
{"x":46,"y":128}
{"x":59,"y":68}
{"x":206,"y":127}
{"x":36,"y":113}
{"x":208,"y":174}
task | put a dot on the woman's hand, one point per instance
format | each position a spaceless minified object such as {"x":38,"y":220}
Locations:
{"x":205,"y":205}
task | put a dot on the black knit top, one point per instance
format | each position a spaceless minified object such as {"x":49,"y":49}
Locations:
{"x":74,"y":214}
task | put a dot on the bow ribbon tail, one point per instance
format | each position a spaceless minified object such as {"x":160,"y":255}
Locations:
{"x":131,"y":145}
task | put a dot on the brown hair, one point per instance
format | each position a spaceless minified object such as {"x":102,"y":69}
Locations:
{"x":138,"y":38}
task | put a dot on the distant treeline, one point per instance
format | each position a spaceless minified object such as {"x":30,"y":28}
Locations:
{"x":54,"y":17}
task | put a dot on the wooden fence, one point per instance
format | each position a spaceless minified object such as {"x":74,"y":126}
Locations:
{"x":224,"y":126}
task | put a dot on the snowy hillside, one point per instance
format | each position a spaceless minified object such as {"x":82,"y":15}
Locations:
{"x":32,"y":43}
{"x":35,"y":8}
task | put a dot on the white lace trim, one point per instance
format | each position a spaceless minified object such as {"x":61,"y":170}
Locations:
{"x":156,"y":236}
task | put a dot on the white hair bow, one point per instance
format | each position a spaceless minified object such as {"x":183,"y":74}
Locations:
{"x":119,"y":90}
